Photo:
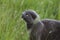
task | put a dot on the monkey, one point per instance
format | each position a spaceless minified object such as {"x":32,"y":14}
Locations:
{"x":41,"y":29}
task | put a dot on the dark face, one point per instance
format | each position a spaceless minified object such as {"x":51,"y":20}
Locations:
{"x":29,"y":16}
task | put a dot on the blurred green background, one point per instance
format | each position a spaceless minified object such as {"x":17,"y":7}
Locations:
{"x":12,"y":27}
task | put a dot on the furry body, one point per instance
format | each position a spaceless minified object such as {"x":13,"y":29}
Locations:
{"x":48,"y":30}
{"x":41,"y":30}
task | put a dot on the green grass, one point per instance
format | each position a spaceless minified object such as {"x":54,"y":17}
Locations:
{"x":12,"y":27}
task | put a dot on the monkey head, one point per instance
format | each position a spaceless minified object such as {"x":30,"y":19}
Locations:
{"x":30,"y":16}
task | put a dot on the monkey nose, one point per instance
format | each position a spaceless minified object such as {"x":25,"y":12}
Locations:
{"x":23,"y":16}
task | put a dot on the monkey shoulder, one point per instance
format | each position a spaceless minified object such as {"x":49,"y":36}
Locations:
{"x":38,"y":25}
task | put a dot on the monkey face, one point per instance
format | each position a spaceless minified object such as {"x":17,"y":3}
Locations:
{"x":29,"y":16}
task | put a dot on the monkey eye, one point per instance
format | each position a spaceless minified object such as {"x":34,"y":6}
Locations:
{"x":27,"y":15}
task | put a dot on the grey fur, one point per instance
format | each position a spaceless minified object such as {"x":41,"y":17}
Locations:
{"x":41,"y":30}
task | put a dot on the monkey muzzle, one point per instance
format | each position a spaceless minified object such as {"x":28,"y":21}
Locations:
{"x":24,"y":18}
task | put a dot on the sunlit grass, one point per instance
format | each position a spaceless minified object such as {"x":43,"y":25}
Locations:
{"x":12,"y":27}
